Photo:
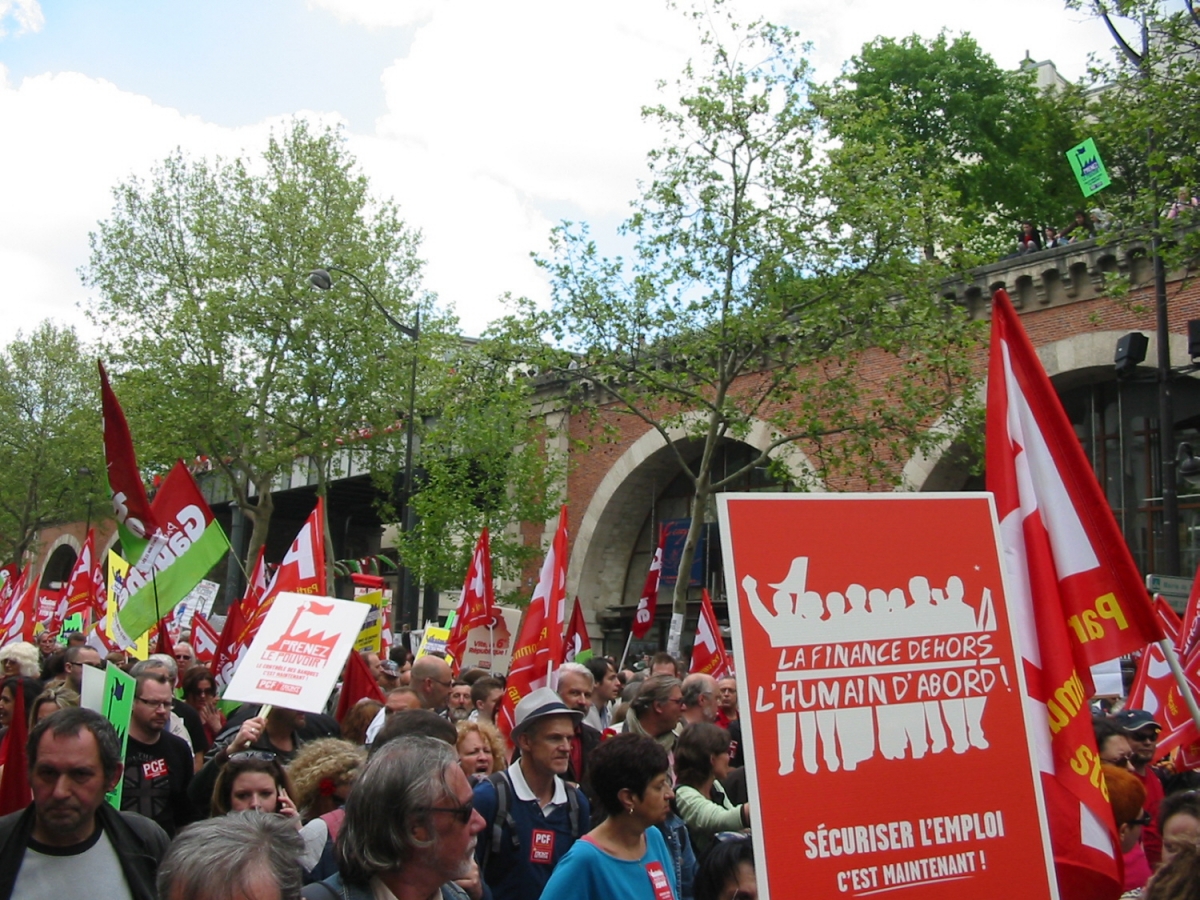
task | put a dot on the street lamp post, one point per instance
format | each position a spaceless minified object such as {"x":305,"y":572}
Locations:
{"x":405,"y":607}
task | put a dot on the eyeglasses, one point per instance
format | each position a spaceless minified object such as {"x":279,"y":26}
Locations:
{"x":205,"y":692}
{"x":154,"y":704}
{"x":1144,"y":737}
{"x":1143,"y":820}
{"x":461,"y":813}
{"x":1124,"y":761}
{"x":257,"y":755}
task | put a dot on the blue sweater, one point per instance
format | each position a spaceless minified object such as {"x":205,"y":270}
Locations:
{"x":588,"y":873}
{"x":512,"y":873}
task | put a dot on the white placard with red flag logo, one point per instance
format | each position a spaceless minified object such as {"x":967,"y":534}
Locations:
{"x":888,"y":746}
{"x":539,"y":646}
{"x":708,"y":651}
{"x":1077,"y":598}
{"x":298,"y":653}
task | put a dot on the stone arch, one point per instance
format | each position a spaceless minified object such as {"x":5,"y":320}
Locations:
{"x":615,"y":513}
{"x":1068,"y":362}
{"x":60,"y":559}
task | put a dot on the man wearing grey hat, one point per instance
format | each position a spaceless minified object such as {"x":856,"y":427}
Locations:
{"x":532,"y":815}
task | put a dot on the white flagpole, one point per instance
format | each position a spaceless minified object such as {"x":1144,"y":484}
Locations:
{"x":628,"y":641}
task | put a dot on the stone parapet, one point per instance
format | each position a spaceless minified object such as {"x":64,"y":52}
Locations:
{"x":1054,"y":277}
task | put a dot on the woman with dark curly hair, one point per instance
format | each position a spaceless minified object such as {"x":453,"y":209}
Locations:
{"x":625,"y":855}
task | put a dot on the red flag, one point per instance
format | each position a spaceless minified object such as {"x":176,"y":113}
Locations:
{"x":577,"y":646}
{"x":478,"y":604}
{"x":1189,"y":632}
{"x":708,"y":651}
{"x":357,"y":683}
{"x":84,"y":590}
{"x":229,"y":649}
{"x":1076,"y":597}
{"x":18,"y":620}
{"x":302,"y":570}
{"x":204,"y":640}
{"x":14,"y":779}
{"x":163,"y":642}
{"x":643,"y":616}
{"x":130,"y":503}
{"x":1153,"y":680}
{"x":539,"y":645}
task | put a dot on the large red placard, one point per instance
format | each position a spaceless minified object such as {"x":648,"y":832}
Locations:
{"x":881,"y":695}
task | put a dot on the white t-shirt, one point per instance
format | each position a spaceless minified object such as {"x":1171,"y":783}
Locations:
{"x":54,"y":873}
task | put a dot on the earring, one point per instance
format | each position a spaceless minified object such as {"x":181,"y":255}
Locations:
{"x":629,"y":810}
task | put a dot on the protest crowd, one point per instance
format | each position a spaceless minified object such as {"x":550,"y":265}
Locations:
{"x":304,"y":749}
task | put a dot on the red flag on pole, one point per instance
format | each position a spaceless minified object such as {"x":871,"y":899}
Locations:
{"x":1076,"y":597}
{"x":577,"y":646}
{"x":14,"y":767}
{"x":18,"y":620}
{"x":357,"y":684}
{"x":708,"y":651}
{"x":84,"y":591}
{"x":539,"y":645}
{"x":204,"y":640}
{"x":643,"y":616}
{"x":1189,"y":632}
{"x":130,"y":503}
{"x":477,"y":606}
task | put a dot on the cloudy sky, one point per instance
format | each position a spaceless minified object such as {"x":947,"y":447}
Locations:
{"x":488,"y":122}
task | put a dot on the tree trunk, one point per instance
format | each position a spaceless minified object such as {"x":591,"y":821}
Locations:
{"x":684,"y":574}
{"x":260,"y":514}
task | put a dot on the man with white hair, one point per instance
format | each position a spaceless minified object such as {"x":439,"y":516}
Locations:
{"x":699,"y":698}
{"x":575,"y":684}
{"x":423,"y":848}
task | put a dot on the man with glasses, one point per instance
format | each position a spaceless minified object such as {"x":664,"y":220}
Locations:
{"x":423,"y":847}
{"x":1142,"y":731}
{"x":656,"y":710}
{"x":158,"y":765}
{"x":532,"y":814}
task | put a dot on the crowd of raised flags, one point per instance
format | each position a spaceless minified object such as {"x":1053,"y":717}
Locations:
{"x":1075,"y":596}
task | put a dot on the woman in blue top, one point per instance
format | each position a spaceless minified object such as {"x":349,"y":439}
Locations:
{"x":624,"y":856}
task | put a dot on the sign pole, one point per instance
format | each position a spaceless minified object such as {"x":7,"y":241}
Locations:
{"x":628,"y":641}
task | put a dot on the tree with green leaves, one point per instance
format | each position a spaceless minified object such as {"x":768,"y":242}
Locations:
{"x":482,"y":461}
{"x":1145,"y":116}
{"x":767,"y":290}
{"x":220,"y":346}
{"x":50,"y":445}
{"x":974,"y":147}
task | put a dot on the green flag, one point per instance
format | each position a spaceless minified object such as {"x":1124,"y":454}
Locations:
{"x":188,"y":543}
{"x":119,"y":689}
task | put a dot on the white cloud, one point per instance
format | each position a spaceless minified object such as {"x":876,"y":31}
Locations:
{"x":500,"y":120}
{"x":27,"y":14}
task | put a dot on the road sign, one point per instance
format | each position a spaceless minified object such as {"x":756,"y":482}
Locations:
{"x":1170,"y":586}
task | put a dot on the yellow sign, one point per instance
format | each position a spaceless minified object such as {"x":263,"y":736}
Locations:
{"x":117,"y":569}
{"x":372,"y":630}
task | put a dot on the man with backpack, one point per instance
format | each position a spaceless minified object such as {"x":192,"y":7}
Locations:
{"x":532,"y":815}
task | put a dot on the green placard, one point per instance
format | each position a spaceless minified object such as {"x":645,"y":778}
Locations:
{"x":119,"y":689}
{"x":1088,"y":167}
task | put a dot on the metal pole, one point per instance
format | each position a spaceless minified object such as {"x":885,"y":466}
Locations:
{"x":407,"y":593}
{"x":1166,"y":412}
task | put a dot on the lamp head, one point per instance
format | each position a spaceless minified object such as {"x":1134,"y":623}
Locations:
{"x":320,"y":279}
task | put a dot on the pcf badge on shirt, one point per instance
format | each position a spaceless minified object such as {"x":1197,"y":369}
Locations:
{"x":658,"y":881}
{"x":542,"y":849}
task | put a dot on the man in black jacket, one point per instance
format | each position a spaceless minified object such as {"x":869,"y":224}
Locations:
{"x":69,"y":836}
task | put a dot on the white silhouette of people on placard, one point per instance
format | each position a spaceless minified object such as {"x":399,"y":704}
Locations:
{"x":845,"y":736}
